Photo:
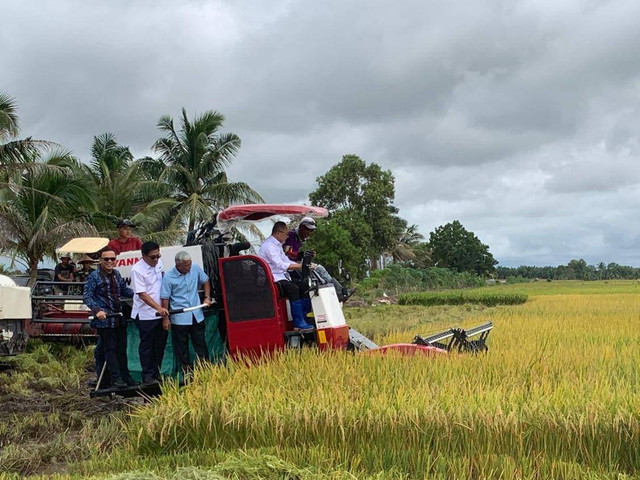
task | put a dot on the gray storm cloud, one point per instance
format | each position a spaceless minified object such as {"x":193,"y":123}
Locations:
{"x":518,"y":118}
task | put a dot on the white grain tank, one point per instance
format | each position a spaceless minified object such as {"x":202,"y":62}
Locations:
{"x":15,"y":309}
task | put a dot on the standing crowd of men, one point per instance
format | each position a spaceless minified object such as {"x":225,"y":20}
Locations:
{"x":159,"y":299}
{"x":158,"y":303}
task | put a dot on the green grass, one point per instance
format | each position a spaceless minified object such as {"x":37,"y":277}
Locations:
{"x":569,"y":287}
{"x":461,"y":297}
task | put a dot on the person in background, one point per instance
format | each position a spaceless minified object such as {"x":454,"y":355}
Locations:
{"x":180,"y":290}
{"x":293,"y":249}
{"x":272,"y":252}
{"x":296,"y":238}
{"x":146,"y":281}
{"x":103,"y":294}
{"x":64,"y":273}
{"x":85,"y":269}
{"x":126,"y":241}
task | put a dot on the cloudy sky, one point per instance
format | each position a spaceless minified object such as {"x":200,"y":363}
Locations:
{"x":521,"y":119}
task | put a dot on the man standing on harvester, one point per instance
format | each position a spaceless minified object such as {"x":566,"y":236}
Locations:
{"x":147,"y":313}
{"x":271,"y":251}
{"x":103,"y":294}
{"x":126,"y":241}
{"x":180,"y":290}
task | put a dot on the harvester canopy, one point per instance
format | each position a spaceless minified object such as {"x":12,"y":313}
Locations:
{"x":228,"y":217}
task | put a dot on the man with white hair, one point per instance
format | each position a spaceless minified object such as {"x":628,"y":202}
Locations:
{"x":180,"y":290}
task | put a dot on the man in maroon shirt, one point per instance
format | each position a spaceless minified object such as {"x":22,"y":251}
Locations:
{"x":293,"y":249}
{"x":126,"y":241}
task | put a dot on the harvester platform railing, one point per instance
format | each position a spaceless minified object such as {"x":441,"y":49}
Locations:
{"x":458,"y":339}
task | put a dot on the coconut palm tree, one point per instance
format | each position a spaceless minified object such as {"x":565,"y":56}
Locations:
{"x":122,"y":188}
{"x":195,"y":158}
{"x":40,"y":209}
{"x":14,"y":152}
{"x":408,"y":238}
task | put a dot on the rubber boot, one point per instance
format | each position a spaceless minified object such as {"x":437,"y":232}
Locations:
{"x":306,"y":306}
{"x":298,"y":316}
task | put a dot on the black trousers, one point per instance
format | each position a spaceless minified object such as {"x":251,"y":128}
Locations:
{"x":289,"y":289}
{"x":114,"y":341}
{"x":98,"y":356}
{"x":153,"y":339}
{"x":180,"y":335}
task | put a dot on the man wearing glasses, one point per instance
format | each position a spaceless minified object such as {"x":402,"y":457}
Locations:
{"x":103,"y":294}
{"x":146,"y":280}
{"x":271,"y":251}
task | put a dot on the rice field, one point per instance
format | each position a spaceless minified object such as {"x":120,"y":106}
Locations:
{"x":557,"y":396}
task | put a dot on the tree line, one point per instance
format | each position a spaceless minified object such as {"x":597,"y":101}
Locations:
{"x":576,"y":269}
{"x":48,"y":195}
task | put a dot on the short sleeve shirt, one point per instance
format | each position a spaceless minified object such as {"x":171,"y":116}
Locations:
{"x":145,"y":279}
{"x":65,"y":271}
{"x":182,"y":292}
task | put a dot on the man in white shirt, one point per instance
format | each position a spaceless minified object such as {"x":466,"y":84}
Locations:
{"x":271,"y":251}
{"x":146,"y":282}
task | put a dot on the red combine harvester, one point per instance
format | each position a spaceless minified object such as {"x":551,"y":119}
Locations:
{"x":254,"y":317}
{"x":264,"y":323}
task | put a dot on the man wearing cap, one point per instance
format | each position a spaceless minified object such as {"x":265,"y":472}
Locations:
{"x":126,"y":241}
{"x":64,"y":272}
{"x":147,"y":313}
{"x":296,"y":237}
{"x":293,"y":249}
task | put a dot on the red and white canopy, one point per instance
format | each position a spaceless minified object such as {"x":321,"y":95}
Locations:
{"x":260,"y":211}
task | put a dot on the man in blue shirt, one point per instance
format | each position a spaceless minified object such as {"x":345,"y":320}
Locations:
{"x":103,"y":294}
{"x":272,"y":253}
{"x":180,"y":290}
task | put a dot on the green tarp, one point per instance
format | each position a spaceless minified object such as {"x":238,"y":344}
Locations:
{"x":170,"y":366}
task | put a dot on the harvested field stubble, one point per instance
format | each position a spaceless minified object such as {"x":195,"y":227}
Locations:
{"x":556,"y":397}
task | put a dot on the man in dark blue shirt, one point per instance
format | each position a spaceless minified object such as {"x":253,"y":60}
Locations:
{"x":103,"y":294}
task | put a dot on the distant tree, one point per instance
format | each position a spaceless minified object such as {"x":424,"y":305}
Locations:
{"x":333,"y":244}
{"x":453,"y":246}
{"x":195,"y":159}
{"x":363,"y":193}
{"x":602,"y":271}
{"x":408,"y":238}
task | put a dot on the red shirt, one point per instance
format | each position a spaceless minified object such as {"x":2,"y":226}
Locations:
{"x":132,"y":243}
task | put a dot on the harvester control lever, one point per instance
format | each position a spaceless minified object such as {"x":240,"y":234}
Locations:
{"x":171,"y":312}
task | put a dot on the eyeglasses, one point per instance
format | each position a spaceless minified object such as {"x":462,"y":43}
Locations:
{"x":154,"y":257}
{"x":108,"y":259}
